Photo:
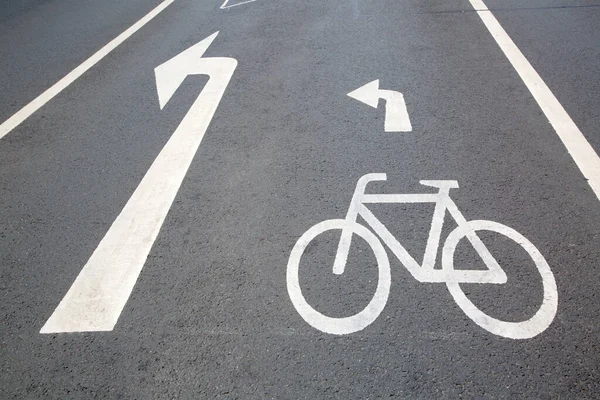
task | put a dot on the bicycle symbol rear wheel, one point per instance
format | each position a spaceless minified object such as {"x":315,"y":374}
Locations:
{"x":343,"y":325}
{"x":514,"y":330}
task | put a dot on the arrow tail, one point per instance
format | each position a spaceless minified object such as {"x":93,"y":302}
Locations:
{"x":95,"y":300}
{"x":396,"y":114}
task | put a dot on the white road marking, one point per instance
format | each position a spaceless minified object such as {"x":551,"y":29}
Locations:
{"x":25,"y":112}
{"x":225,"y":6}
{"x":578,"y":147}
{"x":527,"y":329}
{"x":376,"y":235}
{"x":100,"y":291}
{"x":396,"y":115}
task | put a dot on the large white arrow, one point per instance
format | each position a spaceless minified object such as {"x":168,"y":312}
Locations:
{"x":100,"y":291}
{"x":396,"y":115}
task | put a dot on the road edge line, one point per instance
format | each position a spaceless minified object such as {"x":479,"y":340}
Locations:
{"x":37,"y":103}
{"x":577,"y":145}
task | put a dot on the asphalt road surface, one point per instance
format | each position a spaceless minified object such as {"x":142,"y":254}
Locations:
{"x":161,"y":229}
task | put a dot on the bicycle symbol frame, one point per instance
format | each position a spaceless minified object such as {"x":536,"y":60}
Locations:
{"x":426,"y":271}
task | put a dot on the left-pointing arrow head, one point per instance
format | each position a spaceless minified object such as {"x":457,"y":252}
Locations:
{"x":171,"y":74}
{"x":396,"y":114}
{"x":368,"y":94}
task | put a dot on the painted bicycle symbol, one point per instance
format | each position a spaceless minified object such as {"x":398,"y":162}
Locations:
{"x":423,"y":273}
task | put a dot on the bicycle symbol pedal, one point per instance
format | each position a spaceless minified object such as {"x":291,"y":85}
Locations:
{"x":378,"y":236}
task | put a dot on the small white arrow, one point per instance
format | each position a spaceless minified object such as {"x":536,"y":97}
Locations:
{"x":226,"y":5}
{"x":396,"y":115}
{"x":100,"y":291}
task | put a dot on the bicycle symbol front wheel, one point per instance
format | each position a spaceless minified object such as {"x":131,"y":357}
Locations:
{"x":343,"y":325}
{"x":514,"y":330}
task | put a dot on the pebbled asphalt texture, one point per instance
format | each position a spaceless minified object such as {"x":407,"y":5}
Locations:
{"x":210,"y":316}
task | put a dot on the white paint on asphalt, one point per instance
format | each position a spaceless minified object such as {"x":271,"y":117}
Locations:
{"x":527,"y":329}
{"x":99,"y":293}
{"x":396,"y":114}
{"x":425,"y":272}
{"x":24,"y":113}
{"x":225,"y":4}
{"x":578,"y":147}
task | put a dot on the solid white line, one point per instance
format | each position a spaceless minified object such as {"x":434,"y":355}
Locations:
{"x":224,"y":6}
{"x":59,"y":86}
{"x":578,"y":147}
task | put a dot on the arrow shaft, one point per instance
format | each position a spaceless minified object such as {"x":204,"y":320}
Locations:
{"x":101,"y":290}
{"x":396,"y":114}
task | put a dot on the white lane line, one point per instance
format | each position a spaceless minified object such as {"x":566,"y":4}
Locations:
{"x":37,"y":103}
{"x":97,"y":297}
{"x":225,"y":6}
{"x":578,"y":147}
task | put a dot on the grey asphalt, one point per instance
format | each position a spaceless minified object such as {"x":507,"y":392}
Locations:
{"x":210,"y":316}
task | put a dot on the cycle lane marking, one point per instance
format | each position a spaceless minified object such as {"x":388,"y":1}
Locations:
{"x":37,"y":103}
{"x":578,"y":147}
{"x":377,"y":235}
{"x":98,"y":295}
